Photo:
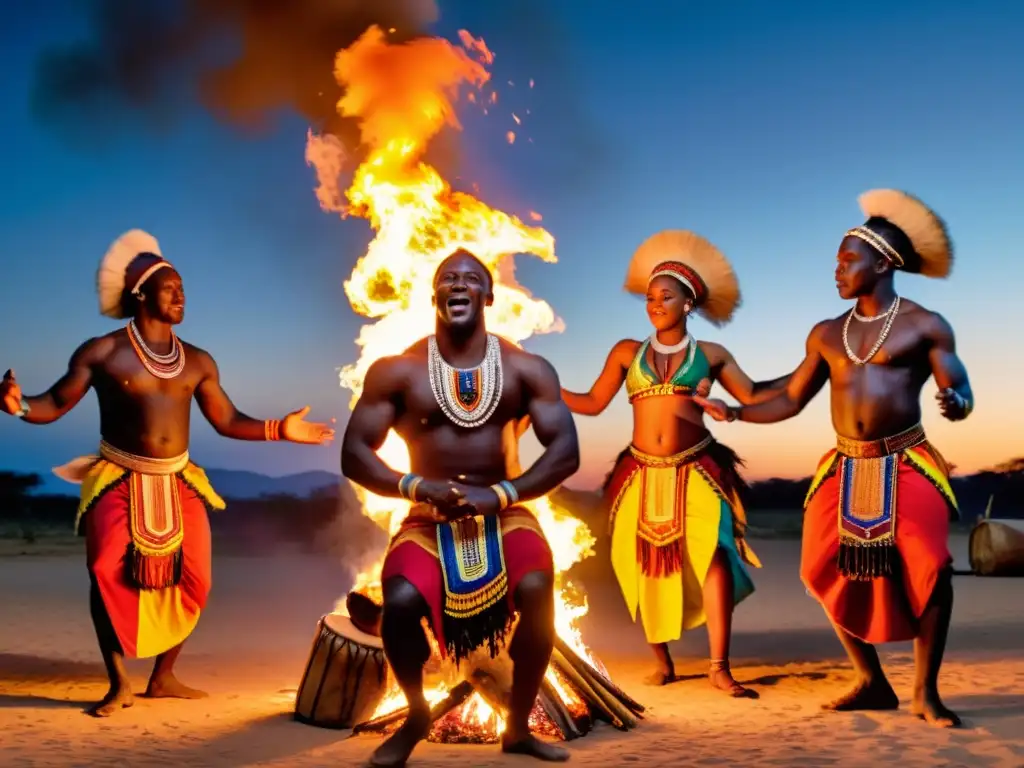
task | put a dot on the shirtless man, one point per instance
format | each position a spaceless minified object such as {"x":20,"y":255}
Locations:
{"x":456,"y":399}
{"x":149,"y":571}
{"x":883,"y":572}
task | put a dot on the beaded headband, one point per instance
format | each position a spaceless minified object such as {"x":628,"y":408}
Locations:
{"x":149,"y":273}
{"x":877,"y":242}
{"x":685,"y":275}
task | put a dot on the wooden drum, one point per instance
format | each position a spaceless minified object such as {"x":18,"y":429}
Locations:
{"x":996,"y":548}
{"x":345,"y":678}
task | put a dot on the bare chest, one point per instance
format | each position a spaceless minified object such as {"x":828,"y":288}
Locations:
{"x":852,"y":347}
{"x":125,"y":374}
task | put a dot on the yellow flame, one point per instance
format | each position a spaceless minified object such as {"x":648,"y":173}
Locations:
{"x":403,"y":95}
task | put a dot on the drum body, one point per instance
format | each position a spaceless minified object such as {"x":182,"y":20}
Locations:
{"x":345,"y":678}
{"x":996,"y":548}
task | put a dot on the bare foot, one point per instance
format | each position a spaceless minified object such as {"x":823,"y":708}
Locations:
{"x":118,"y":697}
{"x":866,"y":695}
{"x":396,"y":750}
{"x":168,"y":687}
{"x":722,"y":679}
{"x":929,"y":707}
{"x":531,"y":746}
{"x":661,"y":676}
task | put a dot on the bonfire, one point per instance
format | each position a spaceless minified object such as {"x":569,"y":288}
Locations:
{"x":403,"y":95}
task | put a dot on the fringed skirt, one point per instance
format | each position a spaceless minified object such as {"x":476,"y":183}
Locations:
{"x":669,"y":516}
{"x":875,"y":536}
{"x":467,"y":572}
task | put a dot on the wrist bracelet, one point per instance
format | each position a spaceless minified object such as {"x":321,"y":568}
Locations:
{"x":407,"y":486}
{"x":506,"y":493}
{"x":272,"y":430}
{"x":731,"y":413}
{"x":23,"y":411}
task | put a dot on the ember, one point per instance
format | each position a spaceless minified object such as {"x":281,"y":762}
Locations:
{"x":403,"y":95}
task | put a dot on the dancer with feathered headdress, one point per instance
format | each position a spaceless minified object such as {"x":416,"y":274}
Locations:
{"x":876,"y":519}
{"x":143,"y":508}
{"x":677,"y":519}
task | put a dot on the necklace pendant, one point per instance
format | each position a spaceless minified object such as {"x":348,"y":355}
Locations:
{"x":467,"y":387}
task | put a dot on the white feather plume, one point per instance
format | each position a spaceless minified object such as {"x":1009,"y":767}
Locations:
{"x":110,"y":276}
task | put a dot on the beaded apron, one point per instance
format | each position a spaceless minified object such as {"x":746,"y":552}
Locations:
{"x":868,"y":473}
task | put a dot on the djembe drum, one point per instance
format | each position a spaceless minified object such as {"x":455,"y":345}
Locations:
{"x":345,"y":678}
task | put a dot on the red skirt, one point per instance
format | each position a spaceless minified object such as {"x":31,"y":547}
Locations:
{"x":413,"y":555}
{"x":885,"y":608}
{"x":148,"y":622}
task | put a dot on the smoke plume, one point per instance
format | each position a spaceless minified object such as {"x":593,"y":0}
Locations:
{"x":243,"y":60}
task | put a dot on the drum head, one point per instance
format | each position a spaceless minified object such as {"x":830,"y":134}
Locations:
{"x":342,"y":625}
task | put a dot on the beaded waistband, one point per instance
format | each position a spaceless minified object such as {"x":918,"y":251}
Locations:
{"x":874,"y":449}
{"x":144,"y":465}
{"x":675,"y":460}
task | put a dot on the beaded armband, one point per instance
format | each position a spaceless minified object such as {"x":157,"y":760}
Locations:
{"x":407,"y":486}
{"x":272,"y":430}
{"x":506,"y":493}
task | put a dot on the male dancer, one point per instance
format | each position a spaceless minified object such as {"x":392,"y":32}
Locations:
{"x":142,"y":506}
{"x":876,"y":522}
{"x":468,"y":556}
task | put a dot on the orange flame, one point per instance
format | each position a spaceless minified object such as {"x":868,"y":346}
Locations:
{"x":403,"y":95}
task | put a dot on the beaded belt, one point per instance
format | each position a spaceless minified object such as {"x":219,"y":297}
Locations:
{"x":675,"y":460}
{"x":875,"y":449}
{"x":144,"y":465}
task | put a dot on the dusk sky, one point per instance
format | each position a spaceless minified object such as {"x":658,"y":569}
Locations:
{"x":754,"y":124}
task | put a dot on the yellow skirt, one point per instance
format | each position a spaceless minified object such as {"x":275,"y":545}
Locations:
{"x":669,"y":517}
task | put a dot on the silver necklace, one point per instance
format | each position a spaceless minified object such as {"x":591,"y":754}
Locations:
{"x":467,"y":396}
{"x":890,"y":317}
{"x":665,"y":349}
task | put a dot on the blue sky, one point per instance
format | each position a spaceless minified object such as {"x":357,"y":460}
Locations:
{"x":755,"y":124}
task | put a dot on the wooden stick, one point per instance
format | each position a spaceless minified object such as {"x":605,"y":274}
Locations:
{"x":596,"y":681}
{"x":557,"y":712}
{"x":622,"y":712}
{"x":587,"y":692}
{"x":456,"y":696}
{"x":571,"y":655}
{"x":488,"y":689}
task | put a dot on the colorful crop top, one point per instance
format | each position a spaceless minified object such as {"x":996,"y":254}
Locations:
{"x":642,"y":382}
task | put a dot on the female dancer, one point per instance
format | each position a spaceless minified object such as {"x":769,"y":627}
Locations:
{"x":677,"y":522}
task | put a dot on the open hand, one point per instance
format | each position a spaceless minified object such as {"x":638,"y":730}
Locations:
{"x":716,"y":409}
{"x":951,"y":404}
{"x":10,"y":394}
{"x":296,"y":429}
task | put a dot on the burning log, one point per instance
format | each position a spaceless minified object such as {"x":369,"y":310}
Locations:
{"x":557,"y":712}
{"x":588,"y":670}
{"x":455,"y":698}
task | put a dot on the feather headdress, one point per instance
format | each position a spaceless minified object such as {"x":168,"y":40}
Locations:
{"x":129,"y":262}
{"x":920,"y":243}
{"x":696,"y":263}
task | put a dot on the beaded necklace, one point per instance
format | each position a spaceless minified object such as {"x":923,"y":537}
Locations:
{"x":468,"y":396}
{"x":162,"y":366}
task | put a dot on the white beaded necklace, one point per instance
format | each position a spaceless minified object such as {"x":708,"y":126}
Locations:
{"x":467,"y":396}
{"x":890,"y":317}
{"x":665,"y":349}
{"x":162,"y":366}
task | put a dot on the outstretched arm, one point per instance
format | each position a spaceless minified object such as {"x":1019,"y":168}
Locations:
{"x":64,"y":395}
{"x":228,"y":421}
{"x":608,"y":382}
{"x":804,"y":383}
{"x":554,"y":428}
{"x":956,"y":400}
{"x":737,"y":383}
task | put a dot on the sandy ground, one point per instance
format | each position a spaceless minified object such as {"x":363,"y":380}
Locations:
{"x":249,"y":652}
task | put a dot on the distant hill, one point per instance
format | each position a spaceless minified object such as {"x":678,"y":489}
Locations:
{"x":229,"y":483}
